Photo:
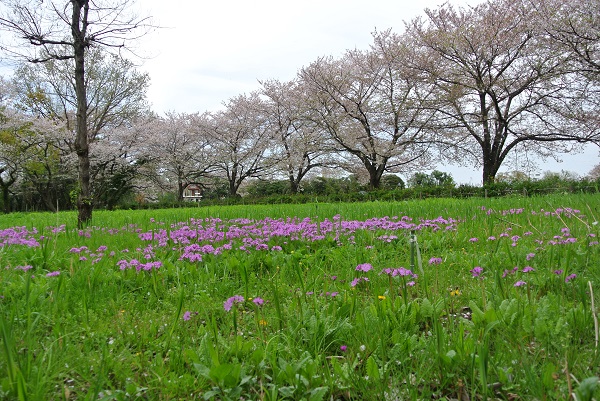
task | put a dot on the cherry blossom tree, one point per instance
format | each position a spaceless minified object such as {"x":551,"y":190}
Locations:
{"x":32,"y":160}
{"x":573,"y":25}
{"x":13,"y":150}
{"x":116,"y":97}
{"x":298,"y":143}
{"x":240,"y":140}
{"x":499,"y":85}
{"x":119,"y":162}
{"x":177,"y":147}
{"x":594,"y":173}
{"x":8,"y":162}
{"x":28,"y":153}
{"x":116,"y":92}
{"x":46,"y":28}
{"x":371,"y":106}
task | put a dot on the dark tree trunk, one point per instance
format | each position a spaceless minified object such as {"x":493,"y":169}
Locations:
{"x":491,"y":164}
{"x":375,"y":174}
{"x":232,"y":177}
{"x":293,"y":184}
{"x":5,"y":199}
{"x":78,"y":30}
{"x":488,"y":173}
{"x":233,"y":187}
{"x":180,"y":189}
{"x":374,"y":181}
{"x":6,"y":193}
{"x":294,"y":180}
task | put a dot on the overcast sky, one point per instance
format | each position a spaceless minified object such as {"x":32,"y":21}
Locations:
{"x":208,"y":52}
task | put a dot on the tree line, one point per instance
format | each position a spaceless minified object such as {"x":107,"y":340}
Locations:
{"x":475,"y":86}
{"x":318,"y":189}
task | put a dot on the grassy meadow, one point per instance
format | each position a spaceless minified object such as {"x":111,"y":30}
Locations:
{"x":470,"y":299}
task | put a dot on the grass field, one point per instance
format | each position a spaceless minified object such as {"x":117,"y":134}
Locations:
{"x":436,"y":299}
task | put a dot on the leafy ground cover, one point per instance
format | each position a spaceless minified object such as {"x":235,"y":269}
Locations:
{"x":437,"y":299}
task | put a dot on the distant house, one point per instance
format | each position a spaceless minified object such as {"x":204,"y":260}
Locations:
{"x":192,"y":193}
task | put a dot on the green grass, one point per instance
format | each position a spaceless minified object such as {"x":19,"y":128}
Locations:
{"x":102,"y":330}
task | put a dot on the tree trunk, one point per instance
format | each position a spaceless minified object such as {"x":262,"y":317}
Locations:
{"x":375,"y":174}
{"x":490,"y":168}
{"x":293,"y":183}
{"x":5,"y":199}
{"x":233,"y":187}
{"x":78,"y":30}
{"x":374,"y":181}
{"x":180,"y":189}
{"x":5,"y":192}
{"x":233,"y":182}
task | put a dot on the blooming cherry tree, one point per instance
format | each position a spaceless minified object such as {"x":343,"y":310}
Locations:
{"x":500,"y":86}
{"x":371,"y":106}
{"x":298,"y":145}
{"x":240,"y":141}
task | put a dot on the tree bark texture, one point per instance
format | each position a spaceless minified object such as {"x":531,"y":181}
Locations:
{"x":78,"y":30}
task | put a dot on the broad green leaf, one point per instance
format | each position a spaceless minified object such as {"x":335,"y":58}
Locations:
{"x":372,"y":369}
{"x":318,"y":393}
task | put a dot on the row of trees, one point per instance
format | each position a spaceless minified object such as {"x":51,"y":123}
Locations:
{"x":473,"y":86}
{"x":418,"y":186}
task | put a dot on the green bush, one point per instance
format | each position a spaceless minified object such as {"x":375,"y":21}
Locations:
{"x":322,"y":189}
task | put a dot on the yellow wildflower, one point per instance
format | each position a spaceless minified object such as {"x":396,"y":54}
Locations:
{"x":455,"y":293}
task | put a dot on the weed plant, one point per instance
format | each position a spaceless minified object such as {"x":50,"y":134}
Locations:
{"x":438,"y":299}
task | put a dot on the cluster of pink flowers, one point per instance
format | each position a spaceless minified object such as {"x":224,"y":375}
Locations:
{"x":477,"y":271}
{"x":512,"y":271}
{"x":192,"y":240}
{"x":236,"y":299}
{"x":258,"y":301}
{"x":435,"y":261}
{"x":86,"y":253}
{"x":359,"y":280}
{"x":134,"y":263}
{"x":400,"y":271}
{"x":18,"y":236}
{"x":364,"y":267}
